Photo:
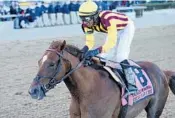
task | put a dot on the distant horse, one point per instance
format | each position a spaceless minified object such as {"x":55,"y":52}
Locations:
{"x":93,"y":93}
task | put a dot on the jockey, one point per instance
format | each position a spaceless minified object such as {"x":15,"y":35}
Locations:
{"x":119,"y":29}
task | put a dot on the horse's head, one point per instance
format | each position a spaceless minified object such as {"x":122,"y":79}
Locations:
{"x":53,"y":66}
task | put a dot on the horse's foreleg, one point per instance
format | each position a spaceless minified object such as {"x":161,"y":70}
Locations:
{"x":74,"y":109}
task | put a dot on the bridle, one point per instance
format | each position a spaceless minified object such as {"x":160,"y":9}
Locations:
{"x":53,"y":81}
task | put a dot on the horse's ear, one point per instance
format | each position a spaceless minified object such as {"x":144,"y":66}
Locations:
{"x":63,"y":45}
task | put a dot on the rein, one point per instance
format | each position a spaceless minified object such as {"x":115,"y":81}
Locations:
{"x":53,"y":81}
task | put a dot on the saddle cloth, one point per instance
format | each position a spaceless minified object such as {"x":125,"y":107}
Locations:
{"x":143,"y":82}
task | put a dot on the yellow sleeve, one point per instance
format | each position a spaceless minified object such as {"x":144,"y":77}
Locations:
{"x":112,"y":38}
{"x":89,"y":38}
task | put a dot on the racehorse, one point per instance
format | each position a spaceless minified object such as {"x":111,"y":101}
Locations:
{"x":93,"y":93}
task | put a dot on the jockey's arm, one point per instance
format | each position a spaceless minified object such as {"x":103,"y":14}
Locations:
{"x":112,"y":37}
{"x":89,"y":38}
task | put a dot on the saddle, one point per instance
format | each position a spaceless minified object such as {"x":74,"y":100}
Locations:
{"x":115,"y":70}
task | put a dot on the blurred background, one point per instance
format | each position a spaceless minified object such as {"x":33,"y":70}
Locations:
{"x":34,"y":14}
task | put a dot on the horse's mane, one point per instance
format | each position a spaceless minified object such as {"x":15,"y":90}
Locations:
{"x":72,"y":49}
{"x":75,"y":51}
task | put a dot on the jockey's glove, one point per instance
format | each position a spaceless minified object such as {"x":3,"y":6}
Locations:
{"x":84,"y":49}
{"x":92,"y":53}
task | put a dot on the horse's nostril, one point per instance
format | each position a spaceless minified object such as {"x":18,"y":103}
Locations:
{"x":33,"y":91}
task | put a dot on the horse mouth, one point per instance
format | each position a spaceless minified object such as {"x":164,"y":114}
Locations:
{"x":37,"y":92}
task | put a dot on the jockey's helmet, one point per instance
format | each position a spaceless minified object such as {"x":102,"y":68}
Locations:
{"x":88,"y":11}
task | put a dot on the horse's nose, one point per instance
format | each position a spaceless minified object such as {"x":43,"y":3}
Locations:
{"x":33,"y":91}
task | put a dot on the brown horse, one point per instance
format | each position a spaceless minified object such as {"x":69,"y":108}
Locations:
{"x":93,"y":93}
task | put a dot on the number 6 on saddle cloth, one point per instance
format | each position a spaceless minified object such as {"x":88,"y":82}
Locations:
{"x":133,"y":72}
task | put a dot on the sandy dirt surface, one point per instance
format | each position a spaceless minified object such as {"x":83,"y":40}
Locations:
{"x":18,"y":66}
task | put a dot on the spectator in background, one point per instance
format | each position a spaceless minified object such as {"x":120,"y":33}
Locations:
{"x":73,"y":12}
{"x":45,"y":18}
{"x":19,"y":12}
{"x":104,"y":5}
{"x":38,"y":14}
{"x":98,"y":2}
{"x":13,"y":9}
{"x":30,"y":17}
{"x":59,"y":14}
{"x":3,"y":12}
{"x":52,"y":13}
{"x":126,"y":3}
{"x":113,"y":6}
{"x":6,"y":9}
{"x":66,"y":13}
{"x":43,"y":8}
{"x":78,"y":6}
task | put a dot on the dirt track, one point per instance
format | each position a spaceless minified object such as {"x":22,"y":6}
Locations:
{"x":18,"y":65}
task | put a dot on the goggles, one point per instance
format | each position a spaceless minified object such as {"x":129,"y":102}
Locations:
{"x":86,"y":18}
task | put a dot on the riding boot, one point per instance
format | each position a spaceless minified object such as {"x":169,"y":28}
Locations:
{"x":130,"y":77}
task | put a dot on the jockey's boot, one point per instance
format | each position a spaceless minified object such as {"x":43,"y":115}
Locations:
{"x":130,"y":77}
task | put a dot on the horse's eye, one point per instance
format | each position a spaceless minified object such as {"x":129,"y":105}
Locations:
{"x":52,"y":64}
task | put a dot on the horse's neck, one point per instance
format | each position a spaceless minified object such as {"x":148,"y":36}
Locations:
{"x":78,"y":80}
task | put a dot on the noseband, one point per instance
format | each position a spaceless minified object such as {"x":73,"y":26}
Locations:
{"x":53,"y":81}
